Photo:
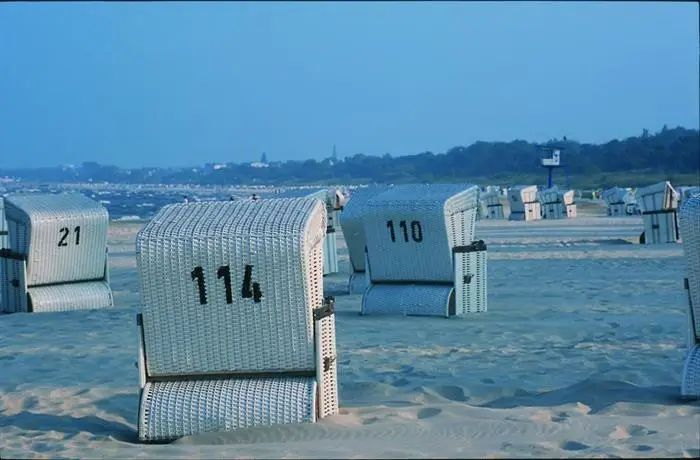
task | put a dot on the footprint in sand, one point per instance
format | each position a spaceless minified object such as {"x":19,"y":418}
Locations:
{"x":641,"y":448}
{"x":573,"y":445}
{"x":428,"y":412}
{"x":629,"y":431}
{"x":453,"y":393}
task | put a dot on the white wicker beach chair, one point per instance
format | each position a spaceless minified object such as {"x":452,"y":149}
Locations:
{"x":524,"y":204}
{"x":494,"y":207}
{"x":354,"y":234}
{"x":421,"y":257}
{"x":616,"y":199}
{"x":690,"y":233}
{"x":57,"y":259}
{"x":235,"y":331}
{"x":334,"y":201}
{"x":658,"y":202}
{"x":557,"y":204}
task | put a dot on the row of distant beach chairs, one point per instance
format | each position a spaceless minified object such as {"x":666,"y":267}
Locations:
{"x":235,"y":329}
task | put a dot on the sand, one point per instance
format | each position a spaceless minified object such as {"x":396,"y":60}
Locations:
{"x":579,"y":355}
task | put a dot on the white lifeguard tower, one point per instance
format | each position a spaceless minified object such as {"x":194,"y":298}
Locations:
{"x":492,"y":208}
{"x":354,"y":234}
{"x":57,"y":255}
{"x":690,"y":233}
{"x":334,"y":199}
{"x":658,"y":204}
{"x":557,"y":204}
{"x":524,"y":204}
{"x":234,"y":330}
{"x":422,"y":259}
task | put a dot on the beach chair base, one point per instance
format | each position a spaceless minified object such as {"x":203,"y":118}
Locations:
{"x":358,"y":282}
{"x":690,"y":387}
{"x":171,"y":410}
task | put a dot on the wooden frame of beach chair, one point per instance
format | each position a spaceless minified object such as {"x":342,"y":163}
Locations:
{"x":334,"y":201}
{"x":421,"y":257}
{"x":354,"y":233}
{"x":690,"y":232}
{"x":57,"y":259}
{"x":658,"y":202}
{"x":524,"y":204}
{"x":234,"y":329}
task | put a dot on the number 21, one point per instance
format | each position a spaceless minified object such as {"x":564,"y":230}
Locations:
{"x":65,"y":231}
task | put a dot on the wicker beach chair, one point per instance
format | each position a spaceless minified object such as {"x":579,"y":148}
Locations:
{"x":354,"y":233}
{"x":492,"y":202}
{"x":334,"y":201}
{"x":690,"y":233}
{"x":235,"y":331}
{"x":421,"y":255}
{"x":658,"y":202}
{"x":57,"y":255}
{"x":524,"y":204}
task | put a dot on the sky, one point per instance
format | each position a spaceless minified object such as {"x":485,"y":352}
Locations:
{"x":181,"y":84}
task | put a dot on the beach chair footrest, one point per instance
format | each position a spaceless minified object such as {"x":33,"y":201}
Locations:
{"x":173,"y":409}
{"x":71,"y":296}
{"x":409,"y":300}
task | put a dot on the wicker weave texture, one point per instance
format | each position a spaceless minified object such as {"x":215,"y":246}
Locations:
{"x":470,"y":282}
{"x":411,"y":230}
{"x":353,"y":226}
{"x":660,"y":228}
{"x":519,"y":195}
{"x":275,"y":245}
{"x":357,"y":283}
{"x":4,"y":237}
{"x":13,"y":295}
{"x":63,"y":235}
{"x":330,"y":254}
{"x":170,"y":410}
{"x":690,"y":386}
{"x":531,"y":211}
{"x":409,"y":300}
{"x":615,"y":195}
{"x":690,"y":234}
{"x":657,"y":197}
{"x":495,"y":212}
{"x":71,"y":296}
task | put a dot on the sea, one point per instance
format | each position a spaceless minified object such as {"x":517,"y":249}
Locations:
{"x":137,"y":202}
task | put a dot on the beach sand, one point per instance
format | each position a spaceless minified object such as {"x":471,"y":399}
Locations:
{"x":579,"y":355}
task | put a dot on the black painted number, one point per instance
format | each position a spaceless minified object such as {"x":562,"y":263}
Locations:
{"x":250,"y":290}
{"x":65,"y":232}
{"x":416,"y":230}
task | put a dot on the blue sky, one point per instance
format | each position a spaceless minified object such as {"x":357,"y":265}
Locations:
{"x":174,"y":84}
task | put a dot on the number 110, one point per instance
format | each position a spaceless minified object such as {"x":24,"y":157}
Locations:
{"x":416,"y":230}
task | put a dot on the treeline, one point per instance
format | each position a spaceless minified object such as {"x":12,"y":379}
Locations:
{"x":669,"y":154}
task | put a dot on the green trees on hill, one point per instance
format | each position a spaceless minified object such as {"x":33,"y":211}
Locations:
{"x":670,"y":154}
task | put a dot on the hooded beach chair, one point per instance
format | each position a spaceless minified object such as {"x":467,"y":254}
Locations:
{"x":690,"y":233}
{"x":421,"y":255}
{"x":57,"y":254}
{"x":235,"y":331}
